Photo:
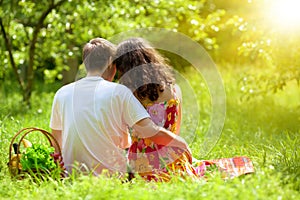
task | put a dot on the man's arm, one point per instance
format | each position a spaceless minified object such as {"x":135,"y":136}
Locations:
{"x":57,"y":134}
{"x":145,"y":128}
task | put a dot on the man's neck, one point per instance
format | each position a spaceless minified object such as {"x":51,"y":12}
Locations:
{"x":89,"y":74}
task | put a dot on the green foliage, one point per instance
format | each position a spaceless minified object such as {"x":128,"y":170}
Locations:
{"x":38,"y":157}
{"x":60,"y":37}
{"x":26,"y":18}
{"x":262,"y":44}
{"x":278,"y":60}
{"x":234,"y":31}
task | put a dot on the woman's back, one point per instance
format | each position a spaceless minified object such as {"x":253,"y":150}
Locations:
{"x":153,"y":161}
{"x":166,"y":110}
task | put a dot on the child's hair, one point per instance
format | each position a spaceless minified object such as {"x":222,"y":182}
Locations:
{"x":142,"y":69}
{"x":97,"y":53}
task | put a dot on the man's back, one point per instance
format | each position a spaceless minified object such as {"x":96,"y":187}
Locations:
{"x":93,"y":115}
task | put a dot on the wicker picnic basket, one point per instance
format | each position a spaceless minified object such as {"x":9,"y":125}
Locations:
{"x":14,"y":164}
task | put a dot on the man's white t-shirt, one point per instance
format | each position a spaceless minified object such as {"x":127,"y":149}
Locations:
{"x":94,"y":115}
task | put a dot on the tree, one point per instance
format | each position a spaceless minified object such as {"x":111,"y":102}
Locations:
{"x":272,"y":50}
{"x":44,"y":38}
{"x":31,"y":23}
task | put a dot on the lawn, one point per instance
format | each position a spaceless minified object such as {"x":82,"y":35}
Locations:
{"x":265,"y":128}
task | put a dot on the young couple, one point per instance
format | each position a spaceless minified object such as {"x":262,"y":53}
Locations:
{"x":95,"y":120}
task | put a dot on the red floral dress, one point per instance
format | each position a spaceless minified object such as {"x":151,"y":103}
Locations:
{"x":157,"y":162}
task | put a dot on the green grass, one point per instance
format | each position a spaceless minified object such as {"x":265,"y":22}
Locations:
{"x":266,"y":129}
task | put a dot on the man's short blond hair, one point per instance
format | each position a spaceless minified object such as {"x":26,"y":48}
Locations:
{"x":97,"y":54}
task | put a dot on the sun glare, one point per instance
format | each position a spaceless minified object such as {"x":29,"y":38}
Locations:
{"x":285,"y":13}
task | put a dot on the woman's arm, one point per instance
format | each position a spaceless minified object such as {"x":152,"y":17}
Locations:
{"x":178,"y":94}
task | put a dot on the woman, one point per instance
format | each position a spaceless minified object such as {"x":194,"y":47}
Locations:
{"x":146,"y":73}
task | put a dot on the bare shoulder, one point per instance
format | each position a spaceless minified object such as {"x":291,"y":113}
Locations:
{"x":178,"y":92}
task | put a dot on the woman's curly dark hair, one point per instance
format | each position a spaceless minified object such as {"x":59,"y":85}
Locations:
{"x":142,"y":69}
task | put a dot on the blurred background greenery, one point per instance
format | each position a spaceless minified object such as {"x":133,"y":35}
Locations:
{"x":41,"y":41}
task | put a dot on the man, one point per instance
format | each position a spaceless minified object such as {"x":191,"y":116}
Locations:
{"x":90,"y":117}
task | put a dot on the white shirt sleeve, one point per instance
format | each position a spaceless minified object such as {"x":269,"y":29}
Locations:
{"x":133,"y":110}
{"x":56,"y":117}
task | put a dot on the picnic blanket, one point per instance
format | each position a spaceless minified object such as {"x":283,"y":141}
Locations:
{"x":228,"y":167}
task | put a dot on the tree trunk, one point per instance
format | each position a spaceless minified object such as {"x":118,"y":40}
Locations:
{"x":69,"y":74}
{"x":30,"y":69}
{"x":8,"y":46}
